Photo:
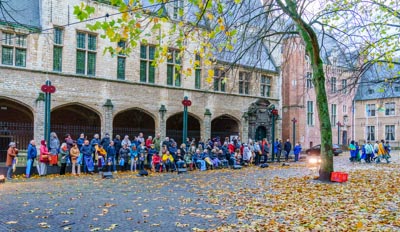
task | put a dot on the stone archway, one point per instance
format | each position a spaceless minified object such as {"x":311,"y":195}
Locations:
{"x":259,"y":115}
{"x":133,"y":121}
{"x":224,"y":126}
{"x":75,"y":119}
{"x":261,"y":133}
{"x":175,"y":127}
{"x":16,"y":124}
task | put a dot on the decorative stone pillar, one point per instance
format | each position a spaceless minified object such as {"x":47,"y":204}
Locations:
{"x":162,"y":122}
{"x":207,"y":125}
{"x":38,"y":119}
{"x":107,"y":125}
{"x":245,"y":128}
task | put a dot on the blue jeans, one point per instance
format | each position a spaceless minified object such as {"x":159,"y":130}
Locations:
{"x":29,"y":163}
{"x":9,"y":172}
{"x":180,"y":163}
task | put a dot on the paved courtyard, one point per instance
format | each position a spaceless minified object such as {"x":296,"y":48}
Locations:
{"x":160,"y":202}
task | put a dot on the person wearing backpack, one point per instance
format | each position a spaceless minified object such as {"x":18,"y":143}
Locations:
{"x":31,"y":156}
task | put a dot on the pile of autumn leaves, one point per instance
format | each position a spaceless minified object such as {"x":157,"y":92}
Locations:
{"x":369,"y":201}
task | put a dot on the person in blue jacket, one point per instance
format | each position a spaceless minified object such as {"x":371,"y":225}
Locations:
{"x":86,"y":151}
{"x":111,"y":157}
{"x":31,"y":155}
{"x":296,"y":151}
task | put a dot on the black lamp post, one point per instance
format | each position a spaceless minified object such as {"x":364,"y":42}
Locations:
{"x":48,"y":89}
{"x":294,"y":131}
{"x":274,"y":115}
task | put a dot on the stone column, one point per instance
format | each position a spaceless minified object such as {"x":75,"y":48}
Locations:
{"x":38,"y":119}
{"x":206,"y":133}
{"x":162,"y":122}
{"x":107,"y":125}
{"x":245,"y":128}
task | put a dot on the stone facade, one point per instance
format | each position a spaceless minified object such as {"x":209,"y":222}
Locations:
{"x":22,"y":84}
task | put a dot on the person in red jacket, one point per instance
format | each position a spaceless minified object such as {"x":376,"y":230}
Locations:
{"x":43,"y":158}
{"x":156,"y":159}
{"x":149,"y":141}
{"x":231,"y":148}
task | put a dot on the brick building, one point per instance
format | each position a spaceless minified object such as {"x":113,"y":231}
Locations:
{"x":99,"y":93}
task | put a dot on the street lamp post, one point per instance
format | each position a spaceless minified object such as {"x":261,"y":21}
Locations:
{"x":294,"y":131}
{"x":338,"y":132}
{"x":186,"y":102}
{"x":48,"y":89}
{"x":274,"y":114}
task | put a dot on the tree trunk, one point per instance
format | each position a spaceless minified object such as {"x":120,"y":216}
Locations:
{"x":312,"y":48}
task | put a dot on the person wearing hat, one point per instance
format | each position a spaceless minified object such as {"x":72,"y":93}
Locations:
{"x":11,"y":154}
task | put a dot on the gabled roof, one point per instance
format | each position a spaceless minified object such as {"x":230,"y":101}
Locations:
{"x":20,"y":13}
{"x":372,"y":84}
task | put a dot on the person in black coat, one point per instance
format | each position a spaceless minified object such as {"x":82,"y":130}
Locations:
{"x":287,"y":147}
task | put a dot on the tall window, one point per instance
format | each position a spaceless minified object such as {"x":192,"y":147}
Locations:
{"x":121,"y":61}
{"x":86,"y":45}
{"x":370,"y":133}
{"x":173,"y":74}
{"x":310,"y":113}
{"x":147,"y":69}
{"x":333,"y":85}
{"x":390,"y":108}
{"x":178,"y":9}
{"x":344,"y":86}
{"x":13,"y":49}
{"x":344,"y":109}
{"x":244,"y":82}
{"x":333,"y":115}
{"x":57,"y":49}
{"x":197,"y":72}
{"x":389,"y":132}
{"x":309,"y":83}
{"x":371,"y":110}
{"x":265,"y":86}
{"x":219,"y":80}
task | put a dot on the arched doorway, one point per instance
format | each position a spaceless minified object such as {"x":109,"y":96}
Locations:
{"x":75,"y":119}
{"x":261,"y":133}
{"x":175,"y":127}
{"x":16,"y":124}
{"x":224,"y":126}
{"x":133,"y":121}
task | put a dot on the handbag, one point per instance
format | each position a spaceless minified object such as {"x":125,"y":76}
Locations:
{"x":121,"y":162}
{"x":79,"y":159}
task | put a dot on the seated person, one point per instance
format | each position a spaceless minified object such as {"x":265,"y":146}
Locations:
{"x":168,"y":161}
{"x":206,"y":157}
{"x":222,"y":158}
{"x":180,"y":162}
{"x":200,"y":163}
{"x":237,"y":157}
{"x":214,"y":157}
{"x":157,"y":165}
{"x":102,"y":155}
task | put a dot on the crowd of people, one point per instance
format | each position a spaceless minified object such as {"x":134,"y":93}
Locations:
{"x":124,"y":154}
{"x":370,"y":153}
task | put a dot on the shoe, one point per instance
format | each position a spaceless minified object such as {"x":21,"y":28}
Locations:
{"x":27,"y":176}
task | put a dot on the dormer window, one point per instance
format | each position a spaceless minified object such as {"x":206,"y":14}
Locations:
{"x":370,"y":91}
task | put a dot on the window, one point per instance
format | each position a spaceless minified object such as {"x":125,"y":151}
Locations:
{"x":389,"y":132}
{"x":178,"y":9}
{"x":397,"y":89}
{"x":173,"y":74}
{"x":147,"y":69}
{"x":370,"y":91}
{"x":219,"y":80}
{"x":197,"y":72}
{"x":333,"y":115}
{"x":86,"y":53}
{"x":390,"y":108}
{"x":13,"y":50}
{"x":244,"y":82}
{"x":57,"y":49}
{"x":344,"y":86}
{"x":370,"y":133}
{"x":310,"y":113}
{"x":345,"y":120}
{"x":371,"y":110}
{"x":265,"y":86}
{"x":309,"y":83}
{"x":121,"y":60}
{"x":333,"y":85}
{"x":344,"y":109}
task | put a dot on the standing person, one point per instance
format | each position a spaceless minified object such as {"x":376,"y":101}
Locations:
{"x":64,"y":156}
{"x":296,"y":151}
{"x":140,"y":138}
{"x":376,"y":148}
{"x":69,"y":141}
{"x":352,"y":148}
{"x":149,"y":141}
{"x":105,"y":141}
{"x":265,"y":149}
{"x":287,"y":147}
{"x":80,"y":140}
{"x":12,"y":152}
{"x":117,"y":145}
{"x":111,"y":157}
{"x":382,"y":152}
{"x":257,"y":152}
{"x":54,"y":149}
{"x":388,"y":149}
{"x":74,"y":154}
{"x":124,"y":157}
{"x":31,"y":156}
{"x":278,"y":149}
{"x":246,"y":154}
{"x":157,"y":142}
{"x":134,"y":157}
{"x":86,"y":151}
{"x":369,"y":152}
{"x":126,"y":142}
{"x":43,"y":158}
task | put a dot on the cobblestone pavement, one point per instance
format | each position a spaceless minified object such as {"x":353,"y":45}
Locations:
{"x":159,"y":202}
